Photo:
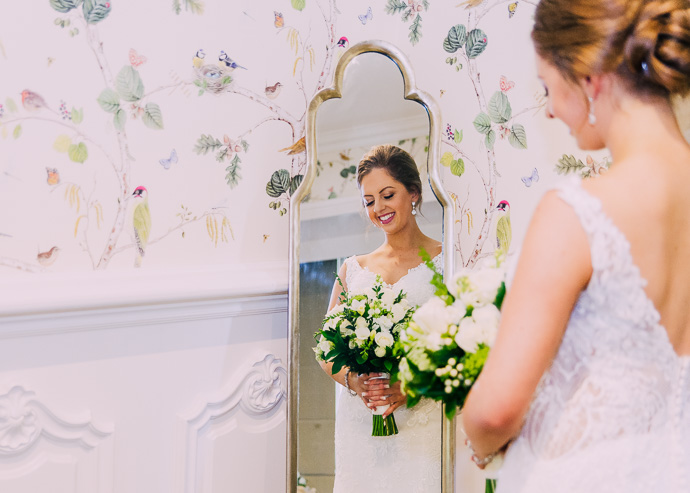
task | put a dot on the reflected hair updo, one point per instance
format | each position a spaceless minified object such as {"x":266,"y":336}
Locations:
{"x":645,"y":42}
{"x":397,"y":162}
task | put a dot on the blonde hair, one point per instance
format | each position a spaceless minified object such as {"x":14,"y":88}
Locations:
{"x":645,"y":42}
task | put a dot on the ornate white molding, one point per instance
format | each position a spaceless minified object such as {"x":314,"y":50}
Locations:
{"x":24,"y":420}
{"x":258,"y":391}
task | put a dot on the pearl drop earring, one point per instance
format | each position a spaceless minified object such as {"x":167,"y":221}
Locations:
{"x":592,"y":118}
{"x":414,"y":208}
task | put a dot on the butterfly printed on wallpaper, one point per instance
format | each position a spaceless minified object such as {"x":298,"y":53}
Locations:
{"x":512,"y":7}
{"x":279,"y":20}
{"x":166,"y":162}
{"x":506,"y":85}
{"x":364,"y":18}
{"x":135,"y":59}
{"x":53,"y":176}
{"x":533,"y":178}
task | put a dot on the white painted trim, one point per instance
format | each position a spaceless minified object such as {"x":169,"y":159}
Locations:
{"x":372,"y":133}
{"x":69,"y":302}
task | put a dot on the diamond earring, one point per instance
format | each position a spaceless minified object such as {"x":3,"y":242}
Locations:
{"x":592,"y":118}
{"x":414,"y":208}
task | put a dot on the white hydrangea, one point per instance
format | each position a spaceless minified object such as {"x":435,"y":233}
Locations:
{"x":469,"y":335}
{"x":485,"y":283}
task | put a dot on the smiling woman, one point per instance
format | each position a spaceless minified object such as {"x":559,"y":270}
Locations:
{"x":386,"y":242}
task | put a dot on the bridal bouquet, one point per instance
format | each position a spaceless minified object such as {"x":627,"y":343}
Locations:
{"x":445,"y":345}
{"x":360,"y":333}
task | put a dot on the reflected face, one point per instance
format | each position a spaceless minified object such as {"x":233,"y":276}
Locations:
{"x":387,"y":201}
{"x":567,"y":101}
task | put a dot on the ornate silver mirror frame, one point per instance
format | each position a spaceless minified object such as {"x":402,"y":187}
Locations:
{"x":433,"y":162}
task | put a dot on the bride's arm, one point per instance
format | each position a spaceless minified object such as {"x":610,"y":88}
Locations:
{"x":554,"y":267}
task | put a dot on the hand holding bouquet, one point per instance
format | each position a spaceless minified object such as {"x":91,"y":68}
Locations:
{"x":445,"y":345}
{"x":360,"y":334}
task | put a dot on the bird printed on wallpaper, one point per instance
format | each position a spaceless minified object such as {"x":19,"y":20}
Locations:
{"x":511,"y":9}
{"x":224,"y":61}
{"x":48,"y":257}
{"x":272,"y":92}
{"x":140,"y":222}
{"x":53,"y":176}
{"x":33,"y":101}
{"x":343,"y":43}
{"x":470,"y":4}
{"x":198,"y":60}
{"x":504,"y":233}
{"x":278,"y":19}
{"x":296,"y":148}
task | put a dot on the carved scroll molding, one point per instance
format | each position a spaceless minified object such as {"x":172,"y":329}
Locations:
{"x":255,"y":394}
{"x":24,"y":420}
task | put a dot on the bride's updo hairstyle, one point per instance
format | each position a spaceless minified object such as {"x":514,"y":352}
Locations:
{"x":399,"y":164}
{"x":646,"y":43}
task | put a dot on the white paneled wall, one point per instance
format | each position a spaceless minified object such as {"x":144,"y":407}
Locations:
{"x":147,"y":398}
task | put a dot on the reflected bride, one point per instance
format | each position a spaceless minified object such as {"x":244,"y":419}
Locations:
{"x":391,"y":191}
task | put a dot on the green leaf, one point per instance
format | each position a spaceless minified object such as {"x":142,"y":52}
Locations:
{"x":64,"y":6}
{"x":206,"y":143}
{"x":119,"y":119}
{"x":77,"y":116}
{"x":499,"y":108}
{"x":11,"y":105}
{"x":62,"y":143}
{"x":568,"y":163}
{"x":232,"y":177}
{"x":95,"y":10}
{"x":482,"y":123}
{"x":518,"y":137}
{"x":298,"y":4}
{"x":490,"y":140}
{"x":447,"y":158}
{"x":78,"y":152}
{"x":457,"y":167}
{"x":17,"y":132}
{"x":280,"y":181}
{"x":455,"y":39}
{"x":388,"y":364}
{"x":152,"y":116}
{"x":415,"y":30}
{"x":476,"y":43}
{"x":457,"y":136}
{"x":109,"y":100}
{"x":128,"y":84}
{"x":295,"y":183}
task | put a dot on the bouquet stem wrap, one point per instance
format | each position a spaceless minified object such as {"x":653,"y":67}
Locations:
{"x":383,"y":427}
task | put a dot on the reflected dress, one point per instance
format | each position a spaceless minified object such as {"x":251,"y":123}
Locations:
{"x":612,"y":413}
{"x":410,"y":461}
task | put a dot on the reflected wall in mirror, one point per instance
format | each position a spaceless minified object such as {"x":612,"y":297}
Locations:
{"x":333,"y":226}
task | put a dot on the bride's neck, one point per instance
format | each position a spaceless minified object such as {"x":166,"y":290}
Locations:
{"x":405,"y":241}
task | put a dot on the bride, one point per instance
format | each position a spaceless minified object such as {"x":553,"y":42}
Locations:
{"x":591,"y":367}
{"x":410,"y":461}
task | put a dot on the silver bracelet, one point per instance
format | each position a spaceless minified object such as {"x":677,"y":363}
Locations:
{"x":347,"y":384}
{"x":480,"y":462}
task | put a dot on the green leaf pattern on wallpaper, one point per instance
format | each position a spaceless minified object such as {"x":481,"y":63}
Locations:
{"x":496,"y":121}
{"x":411,"y":11}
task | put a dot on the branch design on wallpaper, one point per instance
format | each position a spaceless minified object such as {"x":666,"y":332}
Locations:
{"x":212,"y":79}
{"x":126,"y":99}
{"x":495,"y":122}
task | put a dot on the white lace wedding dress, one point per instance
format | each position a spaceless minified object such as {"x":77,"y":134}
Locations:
{"x":409,"y":462}
{"x":612,"y":414}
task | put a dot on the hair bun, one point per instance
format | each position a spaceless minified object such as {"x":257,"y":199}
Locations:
{"x":658,"y":48}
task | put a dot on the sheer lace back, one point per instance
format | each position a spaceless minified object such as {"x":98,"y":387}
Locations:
{"x":409,"y":462}
{"x":614,"y":402}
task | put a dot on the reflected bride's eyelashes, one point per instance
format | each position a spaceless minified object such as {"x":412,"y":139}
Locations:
{"x":371,"y":202}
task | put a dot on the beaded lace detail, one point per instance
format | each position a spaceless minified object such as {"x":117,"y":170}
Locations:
{"x":408,"y":462}
{"x":611,"y":414}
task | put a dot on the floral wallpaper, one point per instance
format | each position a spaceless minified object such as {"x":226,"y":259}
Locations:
{"x":173,"y":136}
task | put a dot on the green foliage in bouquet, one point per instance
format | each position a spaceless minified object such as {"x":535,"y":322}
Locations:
{"x":444,"y":347}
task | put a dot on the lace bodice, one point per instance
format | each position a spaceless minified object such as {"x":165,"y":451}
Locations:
{"x":613,"y":411}
{"x":409,"y":462}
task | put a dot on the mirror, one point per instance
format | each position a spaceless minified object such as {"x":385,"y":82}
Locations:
{"x":373,"y":101}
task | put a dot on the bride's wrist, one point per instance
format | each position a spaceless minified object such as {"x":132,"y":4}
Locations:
{"x":350,"y":391}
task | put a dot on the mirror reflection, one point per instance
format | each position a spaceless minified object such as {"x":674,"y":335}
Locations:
{"x":383,"y":238}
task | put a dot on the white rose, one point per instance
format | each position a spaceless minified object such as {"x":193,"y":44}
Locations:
{"x":384,"y":339}
{"x":487,"y":318}
{"x":399,"y":311}
{"x":325,"y":346}
{"x":485,"y":282}
{"x":358,"y":306}
{"x":455,"y":312}
{"x":388,"y":297}
{"x":384,"y":322}
{"x":352,"y":344}
{"x":380,"y":351}
{"x":431,"y":316}
{"x":469,"y":335}
{"x":361,"y":328}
